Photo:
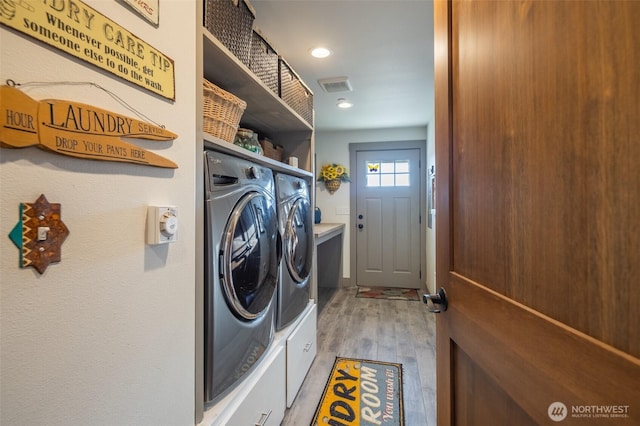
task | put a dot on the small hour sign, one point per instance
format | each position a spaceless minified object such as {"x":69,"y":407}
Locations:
{"x":148,"y":9}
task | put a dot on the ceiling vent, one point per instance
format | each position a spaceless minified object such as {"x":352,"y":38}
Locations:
{"x":335,"y":84}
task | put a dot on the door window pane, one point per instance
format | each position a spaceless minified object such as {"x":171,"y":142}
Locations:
{"x":387,"y":180}
{"x":387,"y":167}
{"x":387,"y":173}
{"x":402,"y":179}
{"x":373,"y":167}
{"x":402,"y":166}
{"x":373,"y":180}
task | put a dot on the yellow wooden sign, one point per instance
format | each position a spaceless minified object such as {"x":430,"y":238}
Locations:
{"x":81,"y":31}
{"x":77,"y":130}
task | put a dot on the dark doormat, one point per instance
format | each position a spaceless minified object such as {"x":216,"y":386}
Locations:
{"x":361,"y":392}
{"x":388,"y":293}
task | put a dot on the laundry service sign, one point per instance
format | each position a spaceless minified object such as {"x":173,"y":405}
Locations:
{"x":79,"y":30}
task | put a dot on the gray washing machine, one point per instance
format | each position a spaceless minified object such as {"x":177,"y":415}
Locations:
{"x":242,"y":258}
{"x":296,"y":227}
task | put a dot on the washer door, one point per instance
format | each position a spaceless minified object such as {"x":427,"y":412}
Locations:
{"x":250,"y":255}
{"x":298,"y":241}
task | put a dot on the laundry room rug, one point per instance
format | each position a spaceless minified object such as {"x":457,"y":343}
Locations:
{"x":388,"y":293}
{"x":361,"y":392}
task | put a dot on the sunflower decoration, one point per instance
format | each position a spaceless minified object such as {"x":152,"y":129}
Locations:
{"x":333,"y":175}
{"x":332,"y":172}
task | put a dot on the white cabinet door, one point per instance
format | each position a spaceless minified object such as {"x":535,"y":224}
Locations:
{"x":264,"y":404}
{"x":301,"y":350}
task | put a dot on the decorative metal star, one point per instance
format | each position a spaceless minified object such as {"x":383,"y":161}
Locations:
{"x":39,"y":234}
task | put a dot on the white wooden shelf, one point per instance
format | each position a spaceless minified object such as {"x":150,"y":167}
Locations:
{"x":212,"y":142}
{"x":265,"y":112}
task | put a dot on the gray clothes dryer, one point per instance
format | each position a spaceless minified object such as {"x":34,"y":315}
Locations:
{"x":242,"y":258}
{"x":296,"y":227}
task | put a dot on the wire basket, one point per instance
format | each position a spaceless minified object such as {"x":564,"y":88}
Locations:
{"x":222,"y":112}
{"x":264,"y":61}
{"x":231,"y":22}
{"x":294,"y":92}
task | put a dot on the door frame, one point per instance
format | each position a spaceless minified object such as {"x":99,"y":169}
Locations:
{"x":356,"y":147}
{"x":443,"y":158}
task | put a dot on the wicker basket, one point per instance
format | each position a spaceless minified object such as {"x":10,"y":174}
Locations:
{"x":332,"y":185}
{"x":294,"y":92}
{"x":264,"y":61}
{"x":231,"y":22}
{"x":271,"y":150}
{"x":222,"y":112}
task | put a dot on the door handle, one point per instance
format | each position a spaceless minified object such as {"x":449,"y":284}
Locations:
{"x":360,"y":226}
{"x":438,"y":301}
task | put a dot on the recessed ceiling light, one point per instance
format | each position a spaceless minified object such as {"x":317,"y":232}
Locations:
{"x":320,"y":52}
{"x":344,"y":103}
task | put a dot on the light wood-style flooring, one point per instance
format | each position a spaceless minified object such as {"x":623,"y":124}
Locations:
{"x":382,"y":330}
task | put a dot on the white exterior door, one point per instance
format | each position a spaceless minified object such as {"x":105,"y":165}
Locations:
{"x":388,"y":218}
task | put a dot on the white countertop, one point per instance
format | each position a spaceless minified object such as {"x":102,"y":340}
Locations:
{"x":324,"y":231}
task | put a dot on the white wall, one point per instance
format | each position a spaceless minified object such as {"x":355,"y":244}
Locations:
{"x":106,"y":336}
{"x":333,"y":147}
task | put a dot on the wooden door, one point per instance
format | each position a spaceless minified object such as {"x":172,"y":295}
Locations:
{"x":388,"y":222}
{"x":538,"y":221}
